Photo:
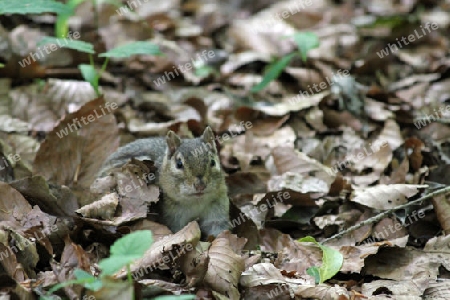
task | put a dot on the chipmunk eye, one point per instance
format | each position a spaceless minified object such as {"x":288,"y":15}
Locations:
{"x":213,"y":162}
{"x":179,"y":164}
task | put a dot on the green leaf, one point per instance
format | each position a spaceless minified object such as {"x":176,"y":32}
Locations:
{"x":125,"y":250}
{"x":23,"y":7}
{"x":273,"y":71}
{"x":314,"y":272}
{"x":64,"y":284}
{"x":135,"y":243}
{"x":90,"y":75}
{"x":90,"y":282}
{"x":332,"y":261}
{"x":132,"y":49}
{"x":83,"y":278}
{"x":68,"y":43}
{"x":111,"y":265}
{"x":2,"y":65}
{"x":203,"y":71}
{"x":305,"y":42}
{"x":81,"y":274}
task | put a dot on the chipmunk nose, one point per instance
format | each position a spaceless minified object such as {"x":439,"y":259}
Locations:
{"x":199,"y":184}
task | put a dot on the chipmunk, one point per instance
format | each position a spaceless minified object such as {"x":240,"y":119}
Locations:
{"x":190,"y":176}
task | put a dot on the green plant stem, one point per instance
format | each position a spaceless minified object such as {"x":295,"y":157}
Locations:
{"x":130,"y":280}
{"x":99,"y":74}
{"x":91,"y":60}
{"x":104,"y":66}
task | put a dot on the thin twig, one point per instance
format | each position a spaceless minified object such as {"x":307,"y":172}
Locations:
{"x":380,"y":216}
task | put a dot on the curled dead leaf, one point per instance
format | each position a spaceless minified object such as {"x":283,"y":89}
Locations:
{"x":103,"y":208}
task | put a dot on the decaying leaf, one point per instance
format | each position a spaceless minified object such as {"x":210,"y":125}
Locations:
{"x":325,"y":114}
{"x":101,"y":209}
{"x":164,"y":251}
{"x":224,"y":268}
{"x":80,"y":152}
{"x":386,"y":196}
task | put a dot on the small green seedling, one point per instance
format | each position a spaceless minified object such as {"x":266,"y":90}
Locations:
{"x":122,"y":253}
{"x":64,"y":11}
{"x":89,"y":73}
{"x":92,"y":76}
{"x":332,"y":261}
{"x":305,"y":42}
{"x":62,"y":21}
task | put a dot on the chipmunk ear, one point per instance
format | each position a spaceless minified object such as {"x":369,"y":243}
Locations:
{"x":173,"y":142}
{"x":208,"y":137}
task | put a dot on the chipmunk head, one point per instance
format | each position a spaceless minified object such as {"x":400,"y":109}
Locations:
{"x":193,"y":165}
